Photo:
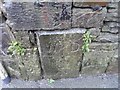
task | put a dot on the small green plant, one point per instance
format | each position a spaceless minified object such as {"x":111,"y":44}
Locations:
{"x":16,"y":48}
{"x":86,"y":42}
{"x":50,"y":81}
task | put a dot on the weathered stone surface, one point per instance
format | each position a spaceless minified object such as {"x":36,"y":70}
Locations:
{"x":96,"y":61}
{"x":61,"y":53}
{"x":0,"y":17}
{"x":112,"y":24}
{"x":113,"y":30}
{"x":112,"y":17}
{"x":112,"y":5}
{"x":25,"y":38}
{"x":112,"y":10}
{"x":26,"y":67}
{"x":11,"y":66}
{"x":7,"y":36}
{"x":33,"y":16}
{"x":107,"y":37}
{"x":104,"y":46}
{"x":88,"y":3}
{"x":87,"y":19}
{"x":91,"y":70}
{"x":95,"y":32}
{"x":113,"y":67}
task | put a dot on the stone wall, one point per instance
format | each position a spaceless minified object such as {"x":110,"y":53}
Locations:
{"x":52,"y":35}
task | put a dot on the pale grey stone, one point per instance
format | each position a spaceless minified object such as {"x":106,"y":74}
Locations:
{"x":107,"y":37}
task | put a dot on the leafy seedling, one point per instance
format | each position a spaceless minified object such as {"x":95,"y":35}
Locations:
{"x":86,"y":42}
{"x":16,"y":48}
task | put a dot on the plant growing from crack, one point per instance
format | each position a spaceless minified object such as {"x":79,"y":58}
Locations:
{"x":16,"y":48}
{"x":87,"y":38}
{"x":86,"y":42}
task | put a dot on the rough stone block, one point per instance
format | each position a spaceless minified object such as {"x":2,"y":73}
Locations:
{"x":11,"y":66}
{"x":6,"y":37}
{"x":92,"y":70}
{"x":113,"y":5}
{"x":107,"y":37}
{"x":36,"y":16}
{"x":113,"y":30}
{"x":96,"y":61}
{"x":112,"y":17}
{"x":89,"y":3}
{"x":61,"y":53}
{"x":113,"y":10}
{"x":113,"y":67}
{"x":95,"y":32}
{"x":0,"y":17}
{"x":87,"y":19}
{"x":27,"y":39}
{"x":26,"y":67}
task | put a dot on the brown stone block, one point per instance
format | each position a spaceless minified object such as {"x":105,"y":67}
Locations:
{"x":88,"y":3}
{"x":37,"y":16}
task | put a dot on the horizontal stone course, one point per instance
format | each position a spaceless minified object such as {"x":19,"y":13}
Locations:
{"x":107,"y":37}
{"x":89,"y":3}
{"x":31,"y":16}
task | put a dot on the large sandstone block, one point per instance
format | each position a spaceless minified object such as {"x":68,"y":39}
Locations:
{"x":36,"y":16}
{"x":60,"y":53}
{"x":100,"y":59}
{"x":87,"y":18}
{"x":26,"y":67}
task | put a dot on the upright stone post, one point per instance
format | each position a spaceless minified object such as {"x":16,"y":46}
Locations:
{"x":60,"y":52}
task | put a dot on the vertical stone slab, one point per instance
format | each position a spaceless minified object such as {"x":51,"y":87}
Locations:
{"x":60,"y":53}
{"x":36,"y":16}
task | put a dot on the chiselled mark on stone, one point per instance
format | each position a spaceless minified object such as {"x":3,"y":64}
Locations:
{"x":57,"y":47}
{"x":75,"y":47}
